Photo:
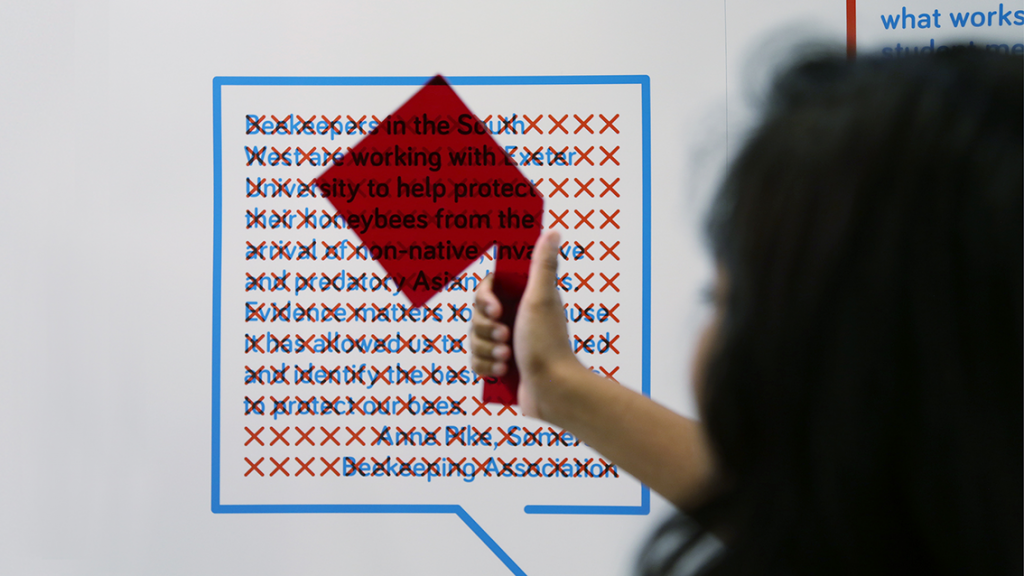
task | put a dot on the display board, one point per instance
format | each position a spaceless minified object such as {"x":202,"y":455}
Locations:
{"x":206,"y":371}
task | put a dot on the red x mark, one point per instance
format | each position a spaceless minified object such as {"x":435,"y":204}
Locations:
{"x":610,"y":156}
{"x":305,"y":466}
{"x":454,"y":466}
{"x":434,"y":375}
{"x":558,"y":437}
{"x":255,"y":155}
{"x":330,"y":436}
{"x":455,"y":435}
{"x":480,"y":406}
{"x":279,"y":466}
{"x":558,"y":124}
{"x":355,"y":406}
{"x":306,"y":126}
{"x":609,"y":123}
{"x":304,"y":376}
{"x":610,"y":187}
{"x":608,"y":467}
{"x":253,"y":252}
{"x":406,"y":466}
{"x":279,"y":436}
{"x":507,"y":435}
{"x":583,"y":124}
{"x":253,"y":406}
{"x":535,"y":158}
{"x":281,"y":125}
{"x":253,"y":282}
{"x":456,"y":344}
{"x":254,"y":436}
{"x":583,"y":219}
{"x":306,"y":344}
{"x":430,"y":438}
{"x":329,"y":466}
{"x":402,"y":404}
{"x":280,"y":282}
{"x":507,"y":467}
{"x":282,"y":158}
{"x":331,"y":405}
{"x":280,"y":376}
{"x":609,"y":375}
{"x":480,"y":467}
{"x":558,"y":158}
{"x":304,"y":157}
{"x":355,"y":466}
{"x":456,"y":405}
{"x":254,"y":467}
{"x":558,"y":188}
{"x":255,"y":188}
{"x":583,"y":156}
{"x":584,"y":250}
{"x":532,"y":124}
{"x":382,"y":436}
{"x":610,"y":312}
{"x":305,"y":435}
{"x":252,"y":126}
{"x":334,"y":125}
{"x":607,"y":344}
{"x":356,"y":125}
{"x":480,"y":437}
{"x":583,"y":187}
{"x":610,"y":219}
{"x":255,"y":218}
{"x":279,"y":250}
{"x":254,"y":375}
{"x":354,"y":436}
{"x":509,"y":408}
{"x":431,"y":466}
{"x":530,"y":438}
{"x":581,"y":344}
{"x":430,"y":345}
{"x":432,"y":313}
{"x":328,"y":313}
{"x":402,"y":436}
{"x":558,"y":467}
{"x":584,"y":282}
{"x":583,"y":468}
{"x":609,"y":250}
{"x":507,"y":124}
{"x":356,"y":312}
{"x":558,"y":219}
{"x":609,"y":282}
{"x":532,"y":466}
{"x":380,"y":344}
{"x":329,"y":156}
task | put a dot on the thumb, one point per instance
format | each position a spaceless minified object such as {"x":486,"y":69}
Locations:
{"x":543,"y":268}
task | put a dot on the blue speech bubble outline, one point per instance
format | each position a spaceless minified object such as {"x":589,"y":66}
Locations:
{"x":215,"y":506}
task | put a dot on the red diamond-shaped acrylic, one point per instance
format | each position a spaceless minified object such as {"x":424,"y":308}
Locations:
{"x":428,"y":191}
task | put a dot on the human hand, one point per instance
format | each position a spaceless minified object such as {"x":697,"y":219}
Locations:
{"x":540,"y":338}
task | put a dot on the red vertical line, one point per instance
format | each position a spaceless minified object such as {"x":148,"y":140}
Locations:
{"x":851,"y":29}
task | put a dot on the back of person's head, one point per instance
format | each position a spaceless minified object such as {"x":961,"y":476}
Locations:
{"x":864,"y":399}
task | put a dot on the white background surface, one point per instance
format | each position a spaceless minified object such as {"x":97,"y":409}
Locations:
{"x":106,"y":225}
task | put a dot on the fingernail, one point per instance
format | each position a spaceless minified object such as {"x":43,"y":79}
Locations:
{"x":498,"y":334}
{"x":501,"y":352}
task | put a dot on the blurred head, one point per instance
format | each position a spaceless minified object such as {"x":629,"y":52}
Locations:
{"x":864,"y":391}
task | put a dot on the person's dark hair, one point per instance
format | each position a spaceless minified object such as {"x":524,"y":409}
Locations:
{"x":864,"y":400}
